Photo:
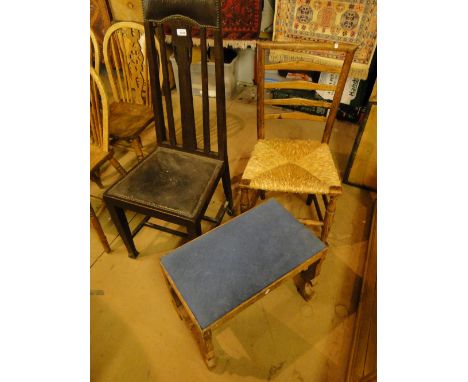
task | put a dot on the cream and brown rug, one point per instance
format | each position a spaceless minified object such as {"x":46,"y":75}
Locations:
{"x":345,"y":21}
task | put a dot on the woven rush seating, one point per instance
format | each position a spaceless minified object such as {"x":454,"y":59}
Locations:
{"x":298,"y":166}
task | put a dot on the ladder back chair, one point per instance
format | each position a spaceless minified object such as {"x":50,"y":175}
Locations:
{"x":127,"y":68}
{"x":99,"y":141}
{"x":296,"y":166}
{"x":176,"y":182}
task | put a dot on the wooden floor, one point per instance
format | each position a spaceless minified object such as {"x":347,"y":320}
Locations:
{"x":136,"y":335}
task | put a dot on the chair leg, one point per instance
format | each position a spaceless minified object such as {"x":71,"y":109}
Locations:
{"x":194,"y":231}
{"x":120,"y":221}
{"x":306,"y":280}
{"x":136,"y":144}
{"x":262,"y":194}
{"x":309,"y":199}
{"x":98,"y":228}
{"x":226,"y":179}
{"x":116,"y":164}
{"x":97,"y":179}
{"x":244,"y":199}
{"x":328,"y":220}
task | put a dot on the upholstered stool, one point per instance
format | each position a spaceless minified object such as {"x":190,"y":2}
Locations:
{"x":217,"y":275}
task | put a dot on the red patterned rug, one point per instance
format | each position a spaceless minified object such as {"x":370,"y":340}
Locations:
{"x":241,"y":19}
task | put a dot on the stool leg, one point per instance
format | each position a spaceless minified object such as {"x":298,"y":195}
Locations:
{"x":97,"y":226}
{"x":120,"y":221}
{"x":328,"y":220}
{"x":306,"y":280}
{"x":207,"y":349}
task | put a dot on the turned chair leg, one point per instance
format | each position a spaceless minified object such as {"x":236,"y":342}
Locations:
{"x":244,"y":200}
{"x":306,"y":280}
{"x":328,"y":220}
{"x":116,"y":164}
{"x":98,"y":228}
{"x":136,"y":144}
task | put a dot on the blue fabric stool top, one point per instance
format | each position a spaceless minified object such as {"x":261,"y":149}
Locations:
{"x":220,"y":270}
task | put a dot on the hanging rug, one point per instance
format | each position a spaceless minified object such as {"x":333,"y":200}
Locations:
{"x":346,"y":21}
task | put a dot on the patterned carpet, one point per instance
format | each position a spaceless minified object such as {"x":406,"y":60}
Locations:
{"x":344,"y":21}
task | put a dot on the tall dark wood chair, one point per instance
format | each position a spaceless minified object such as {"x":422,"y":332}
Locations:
{"x":177,"y":180}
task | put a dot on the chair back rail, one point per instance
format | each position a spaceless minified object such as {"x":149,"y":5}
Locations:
{"x":343,"y":71}
{"x":99,"y":112}
{"x":95,"y":55}
{"x":126,"y":63}
{"x":180,"y":20}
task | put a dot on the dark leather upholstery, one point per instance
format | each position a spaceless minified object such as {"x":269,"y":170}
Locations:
{"x":227,"y":266}
{"x":204,"y":12}
{"x":170,"y":180}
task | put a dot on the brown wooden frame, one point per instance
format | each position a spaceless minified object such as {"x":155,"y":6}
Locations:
{"x":249,"y":196}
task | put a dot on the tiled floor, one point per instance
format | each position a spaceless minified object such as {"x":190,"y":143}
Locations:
{"x":136,"y":335}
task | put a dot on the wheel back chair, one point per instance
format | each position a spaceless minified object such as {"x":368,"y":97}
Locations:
{"x":176,"y":181}
{"x":296,"y":166}
{"x":99,"y":148}
{"x":127,"y":68}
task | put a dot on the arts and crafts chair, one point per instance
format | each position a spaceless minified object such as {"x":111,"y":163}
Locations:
{"x":296,"y":166}
{"x":99,"y":142}
{"x":126,"y":63}
{"x":176,"y":181}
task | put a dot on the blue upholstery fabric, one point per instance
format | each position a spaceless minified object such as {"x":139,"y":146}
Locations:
{"x":218,"y":271}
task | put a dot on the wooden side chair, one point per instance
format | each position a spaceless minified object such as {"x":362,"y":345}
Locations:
{"x":99,"y":148}
{"x":296,"y":166}
{"x":176,"y":181}
{"x":95,"y":60}
{"x":127,"y":68}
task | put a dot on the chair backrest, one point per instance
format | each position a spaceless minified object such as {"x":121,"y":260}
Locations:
{"x":182,"y":19}
{"x":95,"y":59}
{"x":262,"y":47}
{"x":99,"y":112}
{"x":126,"y":63}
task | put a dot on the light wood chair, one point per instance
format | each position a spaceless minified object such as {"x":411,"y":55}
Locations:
{"x":95,"y":60}
{"x":296,"y":166}
{"x":127,"y":68}
{"x":99,"y":139}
